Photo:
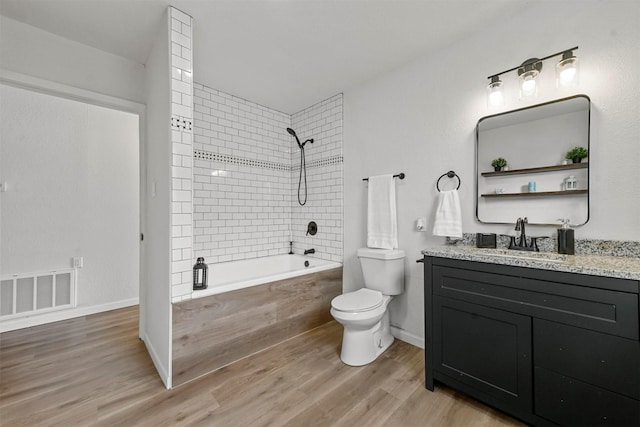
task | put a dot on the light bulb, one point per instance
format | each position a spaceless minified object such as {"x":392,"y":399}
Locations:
{"x":528,"y":84}
{"x":527,"y":74}
{"x":495,"y":95}
{"x":567,"y":71}
{"x":567,"y":75}
{"x":496,"y":99}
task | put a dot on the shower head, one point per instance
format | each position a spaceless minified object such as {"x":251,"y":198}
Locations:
{"x":300,"y":144}
{"x":293,"y":133}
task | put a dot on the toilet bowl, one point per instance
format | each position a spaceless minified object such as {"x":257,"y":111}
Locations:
{"x":367,"y":334}
{"x":363,"y":313}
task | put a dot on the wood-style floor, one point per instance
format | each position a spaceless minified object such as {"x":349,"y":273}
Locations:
{"x":95,"y":371}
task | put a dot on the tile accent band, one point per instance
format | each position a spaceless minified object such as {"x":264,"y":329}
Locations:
{"x":224,"y":158}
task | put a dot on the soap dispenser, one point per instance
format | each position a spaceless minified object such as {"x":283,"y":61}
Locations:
{"x":566,"y":242}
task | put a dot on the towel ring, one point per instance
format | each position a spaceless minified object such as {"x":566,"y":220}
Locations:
{"x":449,"y":174}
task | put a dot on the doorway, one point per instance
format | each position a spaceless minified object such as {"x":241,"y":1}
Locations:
{"x":70,"y":168}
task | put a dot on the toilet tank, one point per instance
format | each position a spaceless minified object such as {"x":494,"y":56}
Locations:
{"x":383,"y":269}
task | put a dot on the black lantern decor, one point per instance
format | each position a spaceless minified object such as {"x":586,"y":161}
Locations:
{"x":200,"y":275}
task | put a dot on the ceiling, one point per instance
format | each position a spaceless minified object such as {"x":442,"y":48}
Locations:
{"x":284,"y":54}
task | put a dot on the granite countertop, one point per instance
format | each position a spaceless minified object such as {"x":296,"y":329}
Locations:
{"x":595,"y":265}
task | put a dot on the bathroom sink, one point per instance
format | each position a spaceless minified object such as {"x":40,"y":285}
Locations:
{"x":525,"y":255}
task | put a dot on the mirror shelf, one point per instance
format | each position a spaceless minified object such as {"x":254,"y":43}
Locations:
{"x":537,"y":169}
{"x":538,"y":193}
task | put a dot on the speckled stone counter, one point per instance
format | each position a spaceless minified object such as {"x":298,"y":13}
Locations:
{"x":595,"y":265}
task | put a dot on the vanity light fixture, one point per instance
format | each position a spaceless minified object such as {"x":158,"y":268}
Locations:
{"x":528,"y":72}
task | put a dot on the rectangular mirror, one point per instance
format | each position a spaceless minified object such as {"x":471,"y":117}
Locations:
{"x":539,"y":182}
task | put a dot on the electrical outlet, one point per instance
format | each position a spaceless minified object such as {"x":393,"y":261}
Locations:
{"x":78,"y":262}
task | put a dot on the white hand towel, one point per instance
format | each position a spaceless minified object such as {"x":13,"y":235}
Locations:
{"x":448,"y":215}
{"x":382,"y":224}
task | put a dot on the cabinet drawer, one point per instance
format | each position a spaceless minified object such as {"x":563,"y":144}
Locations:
{"x":599,"y":359}
{"x":603,"y":310}
{"x":570,"y":402}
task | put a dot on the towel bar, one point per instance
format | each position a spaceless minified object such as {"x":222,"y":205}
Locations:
{"x":401,"y":175}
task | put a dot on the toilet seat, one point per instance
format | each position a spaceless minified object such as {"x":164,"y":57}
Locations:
{"x":358,"y":301}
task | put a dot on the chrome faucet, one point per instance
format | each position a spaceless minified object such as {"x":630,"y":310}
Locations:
{"x":309,"y":251}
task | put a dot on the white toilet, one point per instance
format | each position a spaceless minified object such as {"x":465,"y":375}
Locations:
{"x":363,"y":313}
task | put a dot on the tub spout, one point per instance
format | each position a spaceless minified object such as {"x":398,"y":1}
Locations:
{"x":309,"y":251}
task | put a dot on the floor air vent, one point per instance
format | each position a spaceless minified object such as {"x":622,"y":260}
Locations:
{"x":34,"y":293}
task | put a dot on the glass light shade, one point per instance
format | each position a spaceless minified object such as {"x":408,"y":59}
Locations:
{"x":567,"y":73}
{"x":495,"y":93}
{"x":528,"y":84}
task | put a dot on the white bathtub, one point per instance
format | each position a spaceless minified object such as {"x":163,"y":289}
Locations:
{"x":234,"y":275}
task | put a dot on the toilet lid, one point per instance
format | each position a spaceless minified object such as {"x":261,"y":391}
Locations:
{"x":361,"y":300}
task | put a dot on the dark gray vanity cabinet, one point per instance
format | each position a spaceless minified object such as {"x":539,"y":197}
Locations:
{"x":546,"y":347}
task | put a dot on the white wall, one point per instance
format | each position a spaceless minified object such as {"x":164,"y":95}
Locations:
{"x":420,"y":120}
{"x":31,"y":51}
{"x":72,"y":171}
{"x":155,"y":299}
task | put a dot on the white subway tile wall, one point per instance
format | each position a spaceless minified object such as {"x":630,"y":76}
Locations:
{"x":244,"y":192}
{"x":323,"y":123}
{"x":182,"y":155}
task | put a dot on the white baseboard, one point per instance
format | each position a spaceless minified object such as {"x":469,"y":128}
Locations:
{"x":56,"y":316}
{"x":407,"y":337}
{"x":162,"y":370}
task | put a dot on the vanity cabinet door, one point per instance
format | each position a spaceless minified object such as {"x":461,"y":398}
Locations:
{"x":486,"y":349}
{"x":602,"y":360}
{"x":570,"y":402}
{"x":585,"y":377}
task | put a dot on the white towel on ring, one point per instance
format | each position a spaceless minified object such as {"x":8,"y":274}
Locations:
{"x":448,"y":220}
{"x":382,"y":226}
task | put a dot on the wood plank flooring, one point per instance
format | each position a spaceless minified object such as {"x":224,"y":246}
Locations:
{"x":95,"y":371}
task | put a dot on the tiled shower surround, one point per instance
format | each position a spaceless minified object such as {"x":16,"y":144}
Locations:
{"x":323,"y":122}
{"x":245,"y":178}
{"x":181,"y":146}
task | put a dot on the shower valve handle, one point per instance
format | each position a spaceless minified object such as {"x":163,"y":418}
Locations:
{"x":312,"y":228}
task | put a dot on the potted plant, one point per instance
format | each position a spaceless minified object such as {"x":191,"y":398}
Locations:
{"x":576,"y":154}
{"x":498,"y":164}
